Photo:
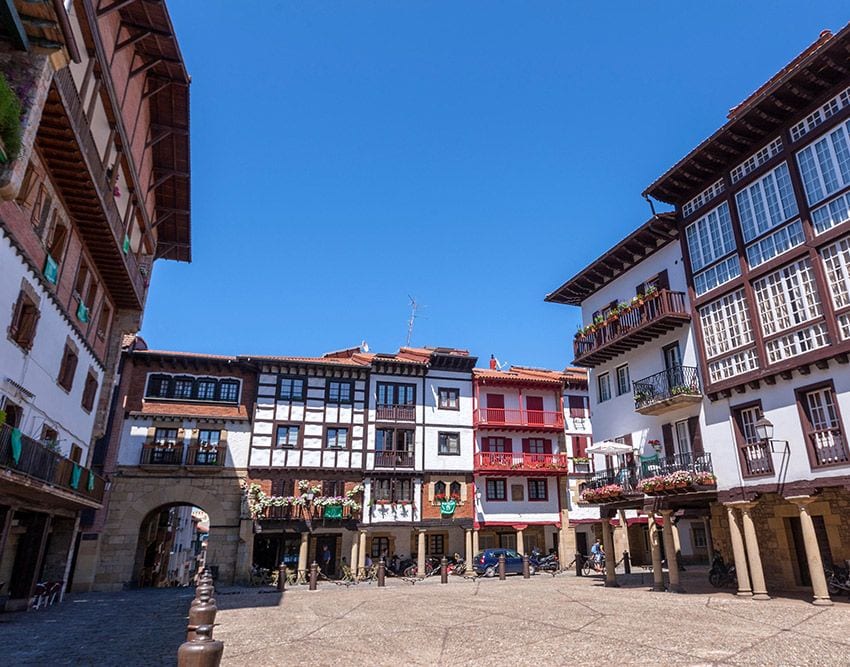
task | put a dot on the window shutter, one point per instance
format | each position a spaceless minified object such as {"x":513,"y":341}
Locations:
{"x":667,"y":436}
{"x":695,"y":435}
{"x":547,"y":446}
{"x":485,"y":444}
{"x":579,"y":446}
{"x":508,"y":445}
{"x":662,"y":281}
{"x":526,"y":447}
{"x":16,"y":315}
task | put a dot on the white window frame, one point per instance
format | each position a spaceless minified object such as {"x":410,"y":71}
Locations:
{"x":725,"y":324}
{"x":836,"y":264}
{"x":624,"y":384}
{"x":821,"y":157}
{"x":710,"y":238}
{"x":787,"y":297}
{"x":682,"y":435}
{"x":603,"y":386}
{"x":766,"y":203}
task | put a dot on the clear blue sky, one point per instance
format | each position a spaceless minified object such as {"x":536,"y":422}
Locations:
{"x":474,"y":155}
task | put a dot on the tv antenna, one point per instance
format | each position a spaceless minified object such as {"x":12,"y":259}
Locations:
{"x":413,"y":308}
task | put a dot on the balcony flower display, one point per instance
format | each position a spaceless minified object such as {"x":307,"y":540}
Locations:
{"x":602,"y":494}
{"x":304,"y":487}
{"x":681,"y":480}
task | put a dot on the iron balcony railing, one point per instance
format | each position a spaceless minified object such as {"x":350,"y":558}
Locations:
{"x":667,"y":385}
{"x":520,"y":462}
{"x":205,"y":455}
{"x":27,"y":456}
{"x":627,"y":477}
{"x":630,"y":328}
{"x":388,"y":412}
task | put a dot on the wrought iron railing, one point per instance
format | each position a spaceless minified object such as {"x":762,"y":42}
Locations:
{"x":27,"y":456}
{"x":675,"y":381}
{"x":666,"y":465}
{"x":628,"y":477}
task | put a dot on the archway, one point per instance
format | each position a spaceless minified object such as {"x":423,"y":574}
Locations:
{"x":171,"y":546}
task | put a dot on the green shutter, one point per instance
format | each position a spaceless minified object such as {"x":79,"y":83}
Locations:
{"x":51,"y":269}
{"x":82,"y":312}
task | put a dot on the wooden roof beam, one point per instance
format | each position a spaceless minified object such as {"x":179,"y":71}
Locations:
{"x":141,"y":69}
{"x":11,"y":21}
{"x":133,"y":39}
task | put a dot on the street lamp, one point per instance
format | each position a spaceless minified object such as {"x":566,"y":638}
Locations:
{"x":764,"y":429}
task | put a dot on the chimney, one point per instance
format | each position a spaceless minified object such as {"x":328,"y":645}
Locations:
{"x":493,"y":365}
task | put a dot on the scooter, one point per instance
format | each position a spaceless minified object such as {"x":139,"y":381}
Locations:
{"x":721,"y":574}
{"x":549,"y":563}
{"x":837,"y":580}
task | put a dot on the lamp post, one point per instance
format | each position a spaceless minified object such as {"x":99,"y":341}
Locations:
{"x":764,"y":432}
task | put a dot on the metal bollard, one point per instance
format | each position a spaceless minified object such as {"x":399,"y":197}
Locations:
{"x":579,"y":563}
{"x":281,"y":578}
{"x":526,"y":573}
{"x":382,"y":573}
{"x":314,"y":575}
{"x":501,"y":567}
{"x":202,"y":651}
{"x":444,"y":570}
{"x":202,"y":613}
{"x":627,"y":563}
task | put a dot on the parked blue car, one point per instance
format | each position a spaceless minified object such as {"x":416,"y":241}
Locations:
{"x":486,"y":563}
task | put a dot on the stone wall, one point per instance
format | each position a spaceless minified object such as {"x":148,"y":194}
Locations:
{"x":135,"y":495}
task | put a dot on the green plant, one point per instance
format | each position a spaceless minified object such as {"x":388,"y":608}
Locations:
{"x":2,"y":417}
{"x":10,"y":119}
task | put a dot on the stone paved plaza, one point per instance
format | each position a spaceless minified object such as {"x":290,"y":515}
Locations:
{"x":561,"y":620}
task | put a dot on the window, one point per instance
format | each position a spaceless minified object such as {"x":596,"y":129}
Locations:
{"x":756,"y":160}
{"x":287,"y":436}
{"x":56,"y":245}
{"x":603,"y":382}
{"x":340,"y":392}
{"x":24,"y":320}
{"x":699,"y":538}
{"x":497,"y":489}
{"x":495,"y":445}
{"x":206,"y":389}
{"x":391,"y":440}
{"x":825,"y":164}
{"x":89,"y":392}
{"x":827,"y":445}
{"x":831,"y":214}
{"x":388,"y":394}
{"x":580,"y":446}
{"x":208,"y":438}
{"x":380,"y":547}
{"x":683,"y":439}
{"x":283,"y":487}
{"x":104,"y":320}
{"x":449,"y":444}
{"x":82,"y":280}
{"x":435,"y":544}
{"x":91,"y":293}
{"x":578,"y":407}
{"x":76,"y":453}
{"x":448,"y":398}
{"x":716,"y":275}
{"x":538,"y":489}
{"x":710,"y":238}
{"x":624,"y":385}
{"x":159,"y":386}
{"x":836,"y":261}
{"x":787,"y":297}
{"x":535,"y":445}
{"x":439,"y":489}
{"x":773,"y":245}
{"x":336,"y":438}
{"x":49,"y":435}
{"x":755,"y":457}
{"x":333,"y":487}
{"x":726,"y":327}
{"x":290,"y":389}
{"x":67,"y":368}
{"x":183,"y":387}
{"x":228,"y":391}
{"x":767,"y":203}
{"x":454,"y":490}
{"x":44,"y":213}
{"x":165,"y":437}
{"x":394,"y":490}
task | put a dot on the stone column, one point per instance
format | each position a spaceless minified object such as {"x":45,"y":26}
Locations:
{"x":520,"y":542}
{"x":420,"y":554}
{"x":741,"y":570}
{"x":361,"y":554}
{"x":610,"y":556}
{"x":302,"y":557}
{"x":469,"y":552}
{"x":355,"y":554}
{"x":670,"y":551}
{"x":475,"y":548}
{"x":753,"y":554}
{"x":709,"y":543}
{"x":810,"y":539}
{"x":655,"y":545}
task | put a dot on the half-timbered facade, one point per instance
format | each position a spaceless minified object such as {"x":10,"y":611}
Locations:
{"x":85,"y":187}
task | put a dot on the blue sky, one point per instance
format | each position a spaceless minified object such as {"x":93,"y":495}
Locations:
{"x":473,"y":155}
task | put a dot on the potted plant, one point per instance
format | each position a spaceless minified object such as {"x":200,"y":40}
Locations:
{"x":651,"y":292}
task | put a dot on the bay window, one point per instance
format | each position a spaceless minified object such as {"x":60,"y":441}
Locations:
{"x":787,"y":297}
{"x":725,"y":328}
{"x":710,"y":237}
{"x":766,"y":203}
{"x":831,"y":214}
{"x":825,"y":164}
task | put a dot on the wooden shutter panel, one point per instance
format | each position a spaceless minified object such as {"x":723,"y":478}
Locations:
{"x":508,"y":445}
{"x":662,"y":281}
{"x":485,"y":444}
{"x":695,"y":435}
{"x":547,"y":446}
{"x":526,"y":445}
{"x":579,"y":446}
{"x":667,"y":436}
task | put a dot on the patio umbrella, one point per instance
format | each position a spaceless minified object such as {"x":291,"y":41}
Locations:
{"x":609,"y":447}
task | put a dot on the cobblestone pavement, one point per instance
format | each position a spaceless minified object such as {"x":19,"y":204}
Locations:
{"x":542,"y":621}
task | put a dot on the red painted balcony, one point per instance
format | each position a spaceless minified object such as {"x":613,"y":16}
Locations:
{"x":520,"y":462}
{"x":630,"y":328}
{"x":505,"y":417}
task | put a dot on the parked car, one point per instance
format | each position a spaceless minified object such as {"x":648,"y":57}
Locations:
{"x":486,"y":563}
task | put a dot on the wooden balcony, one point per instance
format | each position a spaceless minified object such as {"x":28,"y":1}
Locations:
{"x":756,"y":460}
{"x":310,"y":513}
{"x":204,"y":457}
{"x":513,"y":418}
{"x":519,"y":463}
{"x":395,"y":413}
{"x":667,"y":390}
{"x":632,"y":328}
{"x":390,"y":459}
{"x":162,"y":454}
{"x":33,"y":464}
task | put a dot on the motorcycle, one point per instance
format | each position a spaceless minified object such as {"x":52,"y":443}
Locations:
{"x":547,"y":563}
{"x":721,"y":574}
{"x":837,"y":579}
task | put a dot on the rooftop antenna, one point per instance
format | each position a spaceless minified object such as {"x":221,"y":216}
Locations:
{"x":413,"y":308}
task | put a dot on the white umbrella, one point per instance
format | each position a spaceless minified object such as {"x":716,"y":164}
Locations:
{"x":609,"y":447}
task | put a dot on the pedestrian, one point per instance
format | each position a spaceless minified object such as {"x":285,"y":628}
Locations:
{"x":597,"y":553}
{"x":326,"y":560}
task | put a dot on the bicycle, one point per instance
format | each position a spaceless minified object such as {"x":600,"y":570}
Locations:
{"x":593,"y":566}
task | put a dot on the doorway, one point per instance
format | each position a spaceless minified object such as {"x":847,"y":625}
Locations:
{"x":581,"y":544}
{"x":326,"y":554}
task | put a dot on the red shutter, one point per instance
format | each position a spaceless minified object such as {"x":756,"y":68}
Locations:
{"x":547,"y":446}
{"x":526,"y":446}
{"x":695,"y":435}
{"x":508,"y":445}
{"x":485,"y":444}
{"x":576,"y":406}
{"x":667,"y":436}
{"x":495,"y":401}
{"x":579,"y":446}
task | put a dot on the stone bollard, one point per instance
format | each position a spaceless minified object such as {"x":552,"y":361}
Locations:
{"x":281,"y":578}
{"x":314,"y":575}
{"x":444,"y":570}
{"x":202,"y":613}
{"x":627,"y":563}
{"x":382,"y":573}
{"x":202,"y":651}
{"x":526,"y":572}
{"x":501,"y":567}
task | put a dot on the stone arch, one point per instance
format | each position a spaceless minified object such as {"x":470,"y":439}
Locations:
{"x":176,"y":494}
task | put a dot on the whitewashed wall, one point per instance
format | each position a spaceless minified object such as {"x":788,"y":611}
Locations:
{"x":515,"y":511}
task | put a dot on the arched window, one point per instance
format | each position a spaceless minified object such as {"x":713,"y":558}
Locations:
{"x":454,"y":491}
{"x":439,"y":490}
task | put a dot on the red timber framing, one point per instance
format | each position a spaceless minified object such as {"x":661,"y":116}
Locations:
{"x":799,"y":90}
